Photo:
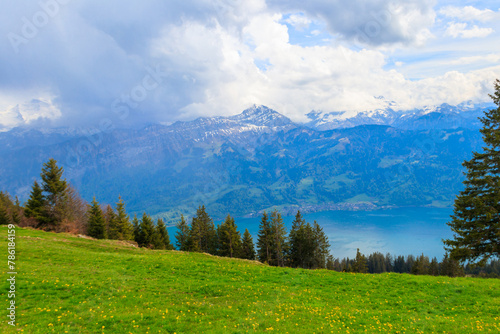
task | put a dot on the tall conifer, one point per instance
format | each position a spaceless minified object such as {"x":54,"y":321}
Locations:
{"x":96,"y":226}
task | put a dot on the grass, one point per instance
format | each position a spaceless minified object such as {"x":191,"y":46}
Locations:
{"x":67,"y":284}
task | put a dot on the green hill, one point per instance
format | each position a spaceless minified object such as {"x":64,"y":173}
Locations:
{"x":67,"y":284}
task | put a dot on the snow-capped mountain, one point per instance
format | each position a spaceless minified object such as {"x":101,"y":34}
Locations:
{"x":444,"y":116}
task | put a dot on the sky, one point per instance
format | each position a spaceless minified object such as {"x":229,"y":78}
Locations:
{"x":127,"y":63}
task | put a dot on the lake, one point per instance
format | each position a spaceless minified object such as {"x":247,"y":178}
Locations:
{"x":401,"y":231}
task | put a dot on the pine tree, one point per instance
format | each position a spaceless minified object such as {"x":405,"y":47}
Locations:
{"x":54,"y":187}
{"x":16,"y":212}
{"x":203,"y":237}
{"x":434,"y":267}
{"x":321,"y":246}
{"x":279,"y":240}
{"x":96,"y":222}
{"x":476,"y":217}
{"x":163,"y":237}
{"x":229,"y":238}
{"x":247,"y":248}
{"x":123,"y":225}
{"x":111,"y":223}
{"x":298,"y":242}
{"x":360,"y":264}
{"x":182,"y":235}
{"x":35,"y":205}
{"x":264,"y":240}
{"x":148,"y":235}
{"x":136,"y":225}
{"x":4,"y":216}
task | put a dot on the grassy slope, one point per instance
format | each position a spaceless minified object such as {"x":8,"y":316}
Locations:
{"x":73,"y":285}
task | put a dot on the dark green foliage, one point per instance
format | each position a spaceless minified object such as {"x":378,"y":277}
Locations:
{"x":264,"y":240}
{"x":360,"y":264}
{"x":434,"y":267}
{"x":147,"y":233}
{"x":163,"y":239}
{"x":321,"y":249}
{"x":247,"y":248}
{"x":202,"y":236}
{"x":279,"y":245}
{"x":476,"y":217}
{"x":125,"y":230}
{"x":420,"y":266}
{"x":111,"y":223}
{"x":300,"y":247}
{"x":35,"y":205}
{"x":96,"y":226}
{"x":451,"y":267}
{"x":4,"y":216}
{"x":136,"y":226}
{"x":229,"y":238}
{"x":376,"y":263}
{"x":55,"y":195}
{"x":182,"y":235}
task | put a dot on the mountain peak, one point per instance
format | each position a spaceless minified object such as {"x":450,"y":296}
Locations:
{"x":262,"y":116}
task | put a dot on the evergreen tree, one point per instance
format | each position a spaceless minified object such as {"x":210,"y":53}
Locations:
{"x":136,"y":225}
{"x":111,"y":223}
{"x":321,"y":246}
{"x":147,"y":235}
{"x":125,"y":230}
{"x":451,"y":267}
{"x":182,"y":235}
{"x":202,"y":237}
{"x":421,"y":266}
{"x":360,"y":264}
{"x":35,"y":205}
{"x":279,"y":240}
{"x":264,"y":240}
{"x":247,"y":248}
{"x":16,"y":213}
{"x":4,"y":216}
{"x":298,"y":243}
{"x":54,"y":187}
{"x":96,"y":222}
{"x":434,"y":267}
{"x":229,"y":238}
{"x":476,"y":216}
{"x":163,"y":237}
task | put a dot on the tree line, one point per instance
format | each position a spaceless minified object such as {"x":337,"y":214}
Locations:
{"x":55,"y":206}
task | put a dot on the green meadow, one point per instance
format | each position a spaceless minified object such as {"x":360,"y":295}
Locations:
{"x":66,"y":284}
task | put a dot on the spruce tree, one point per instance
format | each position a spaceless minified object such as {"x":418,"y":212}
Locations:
{"x":298,"y":242}
{"x":111,"y":223}
{"x":16,"y":212}
{"x":35,"y":206}
{"x":163,"y":240}
{"x":278,"y":240}
{"x":229,"y":238}
{"x":54,"y":187}
{"x":4,"y":216}
{"x":182,"y":235}
{"x":123,"y":225}
{"x":476,"y":216}
{"x":360,"y":264}
{"x":203,"y":237}
{"x":264,"y":240}
{"x":136,"y":225}
{"x":321,"y":246}
{"x":247,"y":248}
{"x":148,"y":236}
{"x":96,"y":226}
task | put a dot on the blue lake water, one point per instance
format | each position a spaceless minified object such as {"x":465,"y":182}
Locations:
{"x":401,"y":231}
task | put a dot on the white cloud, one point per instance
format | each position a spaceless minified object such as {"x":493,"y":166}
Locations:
{"x":299,"y":22}
{"x":490,"y":58}
{"x":461,"y":30}
{"x":469,"y":13}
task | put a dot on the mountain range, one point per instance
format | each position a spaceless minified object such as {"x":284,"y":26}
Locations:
{"x":259,"y":159}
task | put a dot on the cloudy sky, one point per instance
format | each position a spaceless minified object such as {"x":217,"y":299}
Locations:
{"x":80,"y":63}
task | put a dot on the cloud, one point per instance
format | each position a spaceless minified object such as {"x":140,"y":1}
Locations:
{"x":379,"y":22}
{"x":469,"y":13}
{"x":299,"y":22}
{"x":156,"y":61}
{"x":461,"y":30}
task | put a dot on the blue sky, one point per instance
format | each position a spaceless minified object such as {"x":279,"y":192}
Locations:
{"x":88,"y":63}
